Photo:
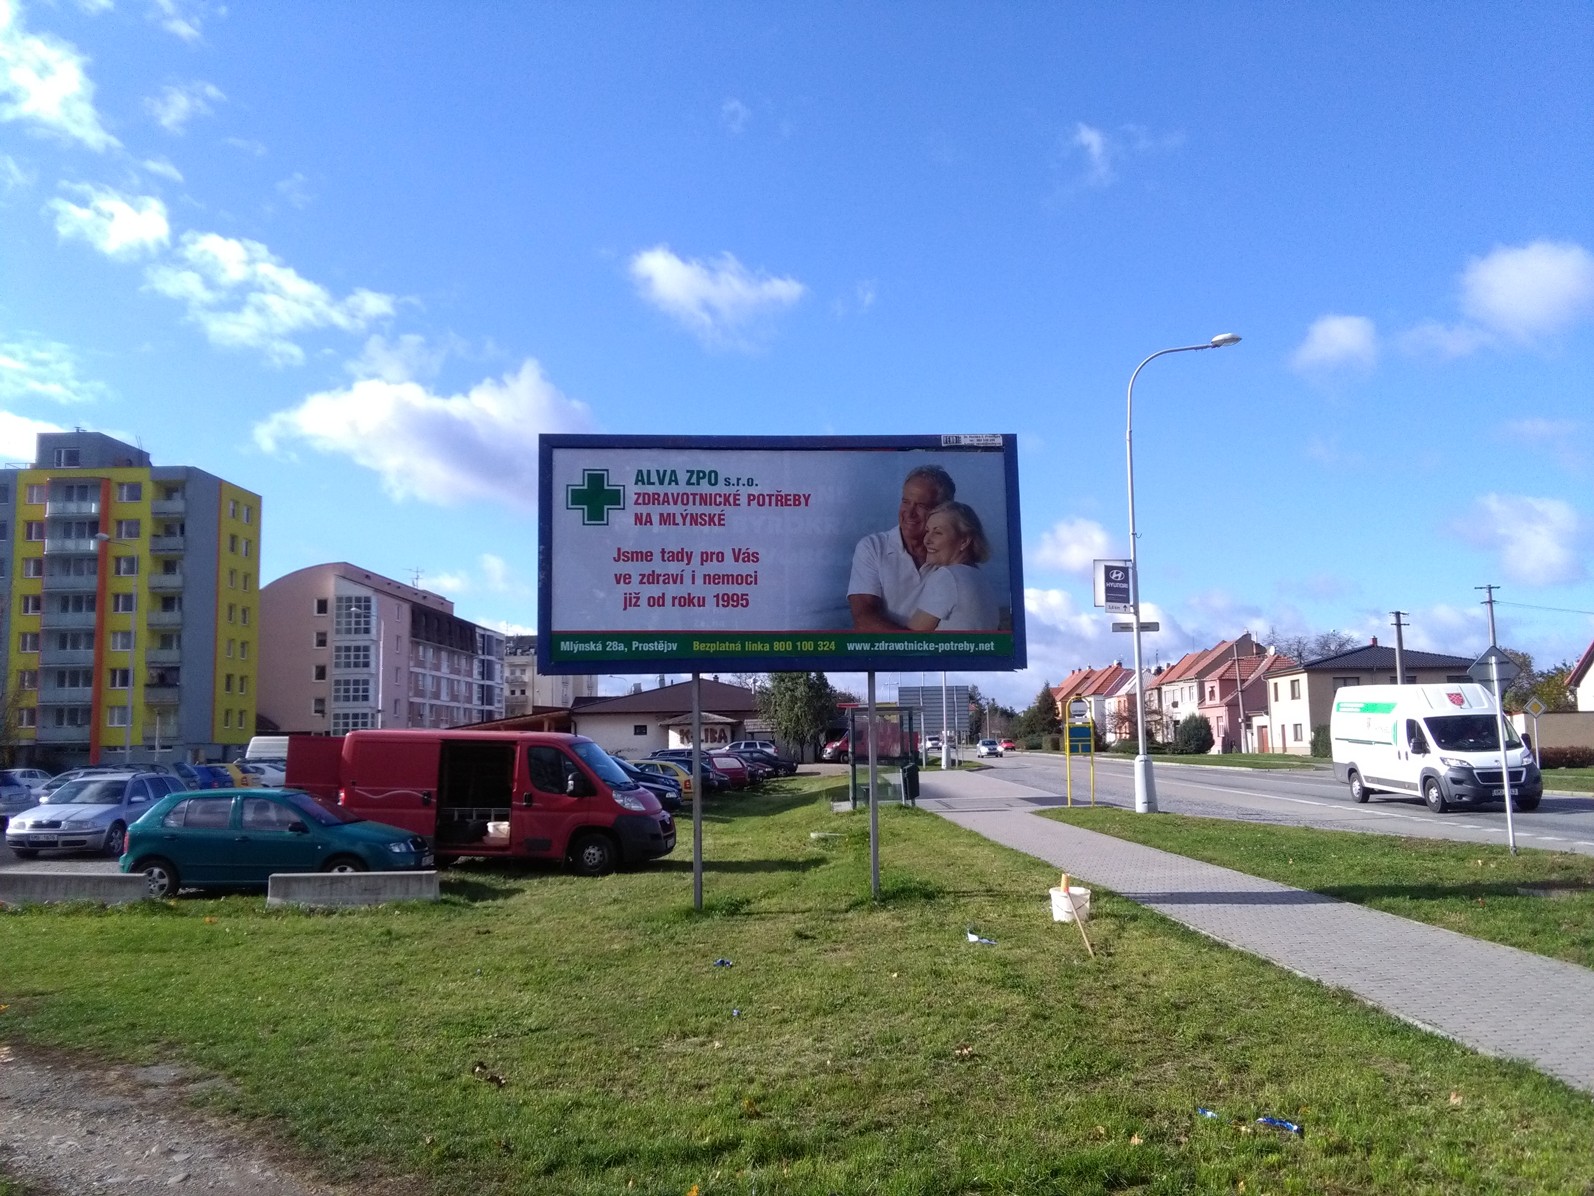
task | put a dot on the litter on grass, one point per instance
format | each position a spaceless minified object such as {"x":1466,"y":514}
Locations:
{"x":1280,"y":1124}
{"x":975,"y":937}
{"x":1205,"y":1112}
{"x":722,"y":963}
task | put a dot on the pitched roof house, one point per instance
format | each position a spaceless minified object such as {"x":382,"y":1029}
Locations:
{"x":1581,"y":680}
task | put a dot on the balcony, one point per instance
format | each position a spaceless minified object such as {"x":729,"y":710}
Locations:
{"x":167,"y":543}
{"x":58,"y":546}
{"x":57,"y":507}
{"x":165,"y":582}
{"x":55,"y":658}
{"x":168,"y":506}
{"x":70,"y":583}
{"x":162,"y":695}
{"x":51,"y":696}
{"x":74,"y":620}
{"x":164,"y":656}
{"x":165,"y":618}
{"x":43,"y":734}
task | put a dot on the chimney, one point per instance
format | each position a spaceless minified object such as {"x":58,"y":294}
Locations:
{"x":1375,"y":641}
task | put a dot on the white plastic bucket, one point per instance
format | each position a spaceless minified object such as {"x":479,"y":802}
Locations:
{"x":1061,"y":912}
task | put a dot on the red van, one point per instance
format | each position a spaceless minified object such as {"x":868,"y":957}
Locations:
{"x":489,"y":793}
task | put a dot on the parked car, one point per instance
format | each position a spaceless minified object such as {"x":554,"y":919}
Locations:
{"x":669,"y":768}
{"x":1007,"y":745}
{"x":666,"y":789}
{"x":837,"y":751}
{"x":987,"y":747}
{"x":91,"y":813}
{"x":202,"y":776}
{"x":737,"y":771}
{"x":778,"y":765}
{"x":932,"y":743}
{"x":714,"y":781}
{"x":271,"y":773}
{"x":73,"y":774}
{"x":31,"y":778}
{"x":236,"y":838}
{"x":754,"y":745}
{"x":15,"y":797}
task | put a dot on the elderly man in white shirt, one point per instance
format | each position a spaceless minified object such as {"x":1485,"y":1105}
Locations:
{"x":885,"y":565}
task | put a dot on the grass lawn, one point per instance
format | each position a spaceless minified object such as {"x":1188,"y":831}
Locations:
{"x":1540,"y":901}
{"x":539,"y":1032}
{"x":1569,"y":780}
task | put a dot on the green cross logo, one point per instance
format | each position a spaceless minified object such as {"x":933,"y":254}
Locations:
{"x":594,"y":498}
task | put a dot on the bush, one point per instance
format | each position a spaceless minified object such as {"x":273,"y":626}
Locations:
{"x":1193,"y":737}
{"x":1126,"y":747}
{"x":1566,"y":757}
{"x":1032,"y":743}
{"x":1320,"y":744}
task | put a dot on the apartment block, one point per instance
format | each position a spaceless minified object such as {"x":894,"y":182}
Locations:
{"x":352,"y":649}
{"x":526,"y":690}
{"x":129,"y":623}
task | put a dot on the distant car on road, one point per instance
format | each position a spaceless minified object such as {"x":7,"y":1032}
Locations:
{"x":236,"y":838}
{"x":1007,"y":745}
{"x":932,"y":743}
{"x":987,"y":747}
{"x":32,"y":778}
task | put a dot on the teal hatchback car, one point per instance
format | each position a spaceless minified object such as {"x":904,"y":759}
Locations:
{"x":237,"y":838}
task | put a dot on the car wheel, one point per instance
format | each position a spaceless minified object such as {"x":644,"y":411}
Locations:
{"x":25,"y":853}
{"x":161,"y":875}
{"x":344,"y":863}
{"x":1358,"y":787}
{"x":1524,"y":803}
{"x":116,"y":840}
{"x":1434,"y":794}
{"x":592,"y":854}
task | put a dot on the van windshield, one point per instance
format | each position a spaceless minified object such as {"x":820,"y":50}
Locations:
{"x":603,"y":767}
{"x":1469,"y":733}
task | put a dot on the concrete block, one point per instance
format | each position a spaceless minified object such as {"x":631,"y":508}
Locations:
{"x":108,"y":888}
{"x":334,"y":889}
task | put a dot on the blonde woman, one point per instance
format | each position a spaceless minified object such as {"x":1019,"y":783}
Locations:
{"x":954,"y":595}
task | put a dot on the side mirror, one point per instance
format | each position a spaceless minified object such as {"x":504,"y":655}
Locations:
{"x":1527,"y":742}
{"x":576,"y":785}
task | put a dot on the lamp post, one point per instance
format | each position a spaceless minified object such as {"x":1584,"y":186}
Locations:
{"x":104,"y":541}
{"x":1145,"y":790}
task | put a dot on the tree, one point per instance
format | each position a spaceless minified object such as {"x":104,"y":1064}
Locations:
{"x":1308,"y":646}
{"x":1549,"y":686}
{"x":799,"y":706}
{"x":1194,"y":736}
{"x":1041,"y":716}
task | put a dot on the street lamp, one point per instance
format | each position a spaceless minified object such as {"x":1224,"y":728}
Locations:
{"x":1145,"y":790}
{"x":104,"y":540}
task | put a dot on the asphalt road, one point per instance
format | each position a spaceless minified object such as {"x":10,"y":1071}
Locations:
{"x":1300,"y":798}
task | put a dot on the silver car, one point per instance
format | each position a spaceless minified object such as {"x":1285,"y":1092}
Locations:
{"x":91,"y":813}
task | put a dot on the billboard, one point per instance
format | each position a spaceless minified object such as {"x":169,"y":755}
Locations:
{"x":767,"y":554}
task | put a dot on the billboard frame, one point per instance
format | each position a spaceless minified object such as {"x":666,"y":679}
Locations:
{"x":838,"y":658}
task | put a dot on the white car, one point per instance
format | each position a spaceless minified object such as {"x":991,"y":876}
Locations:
{"x":987,"y":747}
{"x":932,"y":743}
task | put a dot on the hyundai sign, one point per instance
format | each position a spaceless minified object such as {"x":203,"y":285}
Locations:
{"x":737,"y":554}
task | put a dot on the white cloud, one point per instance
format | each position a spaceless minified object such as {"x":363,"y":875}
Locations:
{"x":1531,"y":291}
{"x":183,"y":18}
{"x":1545,"y":431}
{"x":1334,"y":341}
{"x":445,"y":583}
{"x":43,"y":84}
{"x":1433,"y":339}
{"x":1539,"y":541}
{"x":119,"y":226}
{"x":442,"y":449}
{"x":176,"y":105}
{"x":717,"y":301}
{"x":295,"y":189}
{"x":18,"y":436}
{"x":496,"y":570}
{"x":242,"y":296}
{"x":398,"y":360}
{"x":163,"y":168}
{"x":39,"y":369}
{"x":1074,"y":545}
{"x":1099,"y":171}
{"x":13,"y":175}
{"x":734,"y":115}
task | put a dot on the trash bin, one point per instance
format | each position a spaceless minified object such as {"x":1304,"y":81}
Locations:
{"x":910,"y":782}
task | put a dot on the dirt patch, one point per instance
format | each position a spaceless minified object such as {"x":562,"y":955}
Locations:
{"x":67,"y":1126}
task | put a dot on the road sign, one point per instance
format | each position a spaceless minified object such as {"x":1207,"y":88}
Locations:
{"x":1536,"y":707}
{"x":1483,"y":669}
{"x":1078,"y":708}
{"x":1153,"y":626}
{"x":1112,"y":587}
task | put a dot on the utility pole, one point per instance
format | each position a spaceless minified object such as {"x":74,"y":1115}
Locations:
{"x":1400,"y":647}
{"x":1489,"y":602}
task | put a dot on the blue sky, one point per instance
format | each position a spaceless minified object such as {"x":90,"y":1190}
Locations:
{"x":355,"y":257}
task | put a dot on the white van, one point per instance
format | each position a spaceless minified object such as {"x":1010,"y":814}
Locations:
{"x":1437,"y":742}
{"x":267,"y":747}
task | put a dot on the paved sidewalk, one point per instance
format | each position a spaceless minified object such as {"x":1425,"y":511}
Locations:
{"x":1494,"y":999}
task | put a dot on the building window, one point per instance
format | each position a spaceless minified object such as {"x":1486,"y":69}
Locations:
{"x":170,"y":641}
{"x":249,"y":581}
{"x":318,"y":672}
{"x":27,"y":678}
{"x":1295,"y":692}
{"x":35,"y":493}
{"x":128,"y":529}
{"x":320,"y":606}
{"x":243,"y":683}
{"x":130,"y":492}
{"x":226,"y":684}
{"x":232,"y":612}
{"x":124,"y":603}
{"x":247,"y":544}
{"x":74,"y":641}
{"x":1296,"y":730}
{"x":352,"y":617}
{"x":121,"y":641}
{"x":171,"y":603}
{"x":171,"y":493}
{"x":318,"y":706}
{"x":226,"y":718}
{"x":33,"y":529}
{"x":350,"y":720}
{"x":67,"y":458}
{"x":117,"y":716}
{"x":77,"y":604}
{"x":33,"y":566}
{"x":232,"y":579}
{"x":351,"y":689}
{"x":28,"y":716}
{"x":232,"y":543}
{"x":231,"y":644}
{"x":232,"y":508}
{"x":32,"y":604}
{"x":244,"y":612}
{"x":249,"y":513}
{"x":73,"y":716}
{"x":639,"y":728}
{"x":243,"y":650}
{"x":351,"y":656}
{"x":170,"y":567}
{"x":119,"y":679}
{"x":28,"y":641}
{"x":127,"y":566}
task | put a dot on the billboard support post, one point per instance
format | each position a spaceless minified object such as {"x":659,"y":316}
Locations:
{"x":697,"y":792}
{"x":874,"y":803}
{"x":946,"y":737}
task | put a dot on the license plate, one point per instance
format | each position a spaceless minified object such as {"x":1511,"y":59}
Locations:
{"x":427,"y":860}
{"x":1499,"y":792}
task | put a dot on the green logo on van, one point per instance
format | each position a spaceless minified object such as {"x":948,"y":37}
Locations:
{"x":1349,"y":707}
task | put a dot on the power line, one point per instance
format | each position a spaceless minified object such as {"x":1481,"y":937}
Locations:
{"x":1562,"y":610}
